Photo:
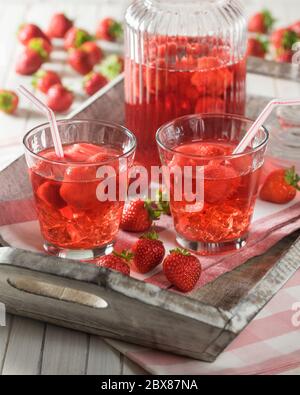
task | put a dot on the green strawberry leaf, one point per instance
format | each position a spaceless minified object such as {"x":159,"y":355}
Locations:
{"x":292,"y":178}
{"x":150,"y":236}
{"x":116,"y":30}
{"x":269,"y":19}
{"x":289,"y":39}
{"x":125,"y":255}
{"x":180,"y":251}
{"x":6,"y":101}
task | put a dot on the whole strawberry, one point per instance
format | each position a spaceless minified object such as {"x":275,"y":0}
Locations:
{"x":112,"y":66}
{"x":138,"y":216}
{"x":28,"y":62}
{"x":109,"y":29}
{"x":95,"y":53}
{"x":59,"y":98}
{"x":44,"y":79}
{"x":75,"y":37}
{"x":8,"y":101}
{"x":115,"y":261}
{"x":262,"y":22}
{"x":182,"y":269}
{"x":257,"y":47}
{"x":148,"y":252}
{"x":80,"y":61}
{"x":29,"y":31}
{"x":284,"y":55}
{"x":296,"y":27}
{"x":284,"y":38}
{"x":59,"y":25}
{"x":93,"y":82}
{"x":281,"y":186}
{"x":41,"y":46}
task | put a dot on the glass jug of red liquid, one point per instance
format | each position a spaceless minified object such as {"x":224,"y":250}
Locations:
{"x":182,"y":57}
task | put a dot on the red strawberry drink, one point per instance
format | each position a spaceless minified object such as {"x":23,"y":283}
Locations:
{"x":182,"y":57}
{"x":201,"y":79}
{"x":219,"y":218}
{"x":70,"y":211}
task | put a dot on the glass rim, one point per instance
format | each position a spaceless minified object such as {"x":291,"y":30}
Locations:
{"x":81,"y":121}
{"x":212,"y":115}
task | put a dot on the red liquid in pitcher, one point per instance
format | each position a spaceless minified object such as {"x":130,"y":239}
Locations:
{"x":230,"y":191}
{"x":202,"y":80}
{"x":70,"y":214}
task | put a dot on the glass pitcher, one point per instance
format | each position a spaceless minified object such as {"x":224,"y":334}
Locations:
{"x":182,"y":57}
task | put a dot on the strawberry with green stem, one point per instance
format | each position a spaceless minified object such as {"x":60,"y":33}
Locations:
{"x":138,"y":215}
{"x":41,"y":46}
{"x":148,"y":252}
{"x":258,"y":47}
{"x":262,"y":22}
{"x":182,"y":269}
{"x":112,"y":66}
{"x":8,"y":101}
{"x":117,"y":261}
{"x":281,"y":186}
{"x":109,"y":29}
{"x":44,"y":79}
{"x":75,"y":38}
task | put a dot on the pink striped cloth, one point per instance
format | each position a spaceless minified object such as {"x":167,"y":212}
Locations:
{"x":270,"y":344}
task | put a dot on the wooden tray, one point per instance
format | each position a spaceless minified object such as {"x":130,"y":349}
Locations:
{"x":106,"y":303}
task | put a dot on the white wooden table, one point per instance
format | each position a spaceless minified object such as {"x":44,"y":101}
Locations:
{"x":31,"y":347}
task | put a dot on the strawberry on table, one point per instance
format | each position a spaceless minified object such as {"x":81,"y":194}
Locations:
{"x":284,"y":38}
{"x":93,"y":82}
{"x":138,"y":216}
{"x":148,"y":252}
{"x":29,"y":31}
{"x":94,"y":51}
{"x":112,"y":66}
{"x":182,"y":269}
{"x":281,"y":186}
{"x":109,"y":29}
{"x":28,"y":62}
{"x":258,"y":47}
{"x":262,"y":22}
{"x":44,"y":79}
{"x":75,"y":37}
{"x":59,"y":98}
{"x":59,"y":25}
{"x":116,"y":261}
{"x":8,"y":101}
{"x":80,"y":61}
{"x":41,"y":46}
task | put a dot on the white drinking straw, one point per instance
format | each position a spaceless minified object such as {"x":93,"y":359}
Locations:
{"x":260,"y":121}
{"x":51,"y":118}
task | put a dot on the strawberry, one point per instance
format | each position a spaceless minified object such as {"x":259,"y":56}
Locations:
{"x":149,"y":252}
{"x":29,"y":31}
{"x":262,"y":22}
{"x":138,"y":216}
{"x":281,"y":186}
{"x":80,"y":61}
{"x":257,"y":47}
{"x":182,"y":269}
{"x":41,"y":46}
{"x":284,"y":38}
{"x":115,"y":261}
{"x":59,"y":98}
{"x":95,"y":52}
{"x":93,"y":82}
{"x":43,"y":80}
{"x":8,"y":101}
{"x":296,"y":27}
{"x":28,"y":62}
{"x":59,"y":25}
{"x":75,"y":37}
{"x":112,"y":66}
{"x":109,"y":29}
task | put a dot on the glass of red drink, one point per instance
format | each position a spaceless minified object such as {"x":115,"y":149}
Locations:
{"x":76,"y":219}
{"x":218,"y":218}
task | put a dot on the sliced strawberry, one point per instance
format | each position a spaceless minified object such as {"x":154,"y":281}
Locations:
{"x":48,"y":193}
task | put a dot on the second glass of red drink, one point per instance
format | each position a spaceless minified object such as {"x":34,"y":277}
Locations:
{"x":212,"y":191}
